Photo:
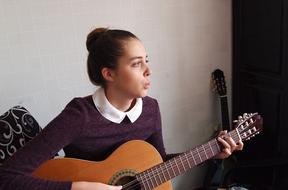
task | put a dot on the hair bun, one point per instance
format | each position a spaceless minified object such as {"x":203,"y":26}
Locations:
{"x":93,"y":36}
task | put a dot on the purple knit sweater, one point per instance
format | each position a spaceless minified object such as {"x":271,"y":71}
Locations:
{"x":83,"y":133}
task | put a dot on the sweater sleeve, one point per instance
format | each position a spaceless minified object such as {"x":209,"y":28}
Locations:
{"x":16,"y":172}
{"x":156,"y":139}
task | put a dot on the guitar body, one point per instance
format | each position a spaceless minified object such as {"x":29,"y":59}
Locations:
{"x":129,"y":159}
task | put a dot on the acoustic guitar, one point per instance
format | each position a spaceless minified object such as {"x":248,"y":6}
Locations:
{"x":216,"y":170}
{"x":137,"y":164}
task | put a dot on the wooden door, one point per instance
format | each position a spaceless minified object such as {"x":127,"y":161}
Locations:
{"x":260,"y":72}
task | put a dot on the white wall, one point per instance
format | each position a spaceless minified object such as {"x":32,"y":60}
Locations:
{"x":43,"y":56}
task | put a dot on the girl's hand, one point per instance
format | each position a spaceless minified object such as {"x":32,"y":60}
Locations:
{"x":228,"y":144}
{"x":81,"y":185}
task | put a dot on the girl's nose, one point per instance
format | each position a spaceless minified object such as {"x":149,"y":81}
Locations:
{"x":147,"y":72}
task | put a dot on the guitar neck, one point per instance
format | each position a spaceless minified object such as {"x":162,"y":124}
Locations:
{"x":163,"y":172}
{"x":225,"y":113}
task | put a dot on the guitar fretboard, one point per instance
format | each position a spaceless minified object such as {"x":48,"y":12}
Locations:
{"x":225,"y":113}
{"x":163,"y":172}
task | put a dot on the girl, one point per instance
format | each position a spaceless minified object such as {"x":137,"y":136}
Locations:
{"x":93,"y":127}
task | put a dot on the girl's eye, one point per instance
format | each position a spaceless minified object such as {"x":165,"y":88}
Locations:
{"x":136,"y":64}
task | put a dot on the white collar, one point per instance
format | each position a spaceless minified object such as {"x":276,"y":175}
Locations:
{"x":111,"y":113}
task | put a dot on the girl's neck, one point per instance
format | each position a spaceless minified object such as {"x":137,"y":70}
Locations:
{"x":122,"y":103}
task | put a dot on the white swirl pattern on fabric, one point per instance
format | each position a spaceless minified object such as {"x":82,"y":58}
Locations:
{"x":17,"y":127}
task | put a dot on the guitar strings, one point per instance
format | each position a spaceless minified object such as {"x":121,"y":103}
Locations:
{"x":159,"y":170}
{"x":146,"y":177}
{"x":234,"y":134}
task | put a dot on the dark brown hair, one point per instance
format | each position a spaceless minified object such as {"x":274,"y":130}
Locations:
{"x":105,"y":46}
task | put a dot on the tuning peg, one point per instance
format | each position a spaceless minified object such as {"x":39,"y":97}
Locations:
{"x":235,"y":121}
{"x":240,"y":118}
{"x":245,"y":115}
{"x":246,"y":124}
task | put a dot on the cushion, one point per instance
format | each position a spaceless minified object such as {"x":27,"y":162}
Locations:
{"x":17,"y":127}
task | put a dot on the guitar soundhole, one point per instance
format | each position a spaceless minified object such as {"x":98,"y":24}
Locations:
{"x":129,"y":182}
{"x":126,"y":178}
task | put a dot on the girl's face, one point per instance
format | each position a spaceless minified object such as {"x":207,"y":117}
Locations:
{"x":131,"y":77}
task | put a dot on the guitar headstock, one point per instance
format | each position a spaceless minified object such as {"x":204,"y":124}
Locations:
{"x":218,"y":82}
{"x":249,"y":125}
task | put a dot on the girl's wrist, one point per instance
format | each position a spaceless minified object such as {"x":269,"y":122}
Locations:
{"x":79,"y":185}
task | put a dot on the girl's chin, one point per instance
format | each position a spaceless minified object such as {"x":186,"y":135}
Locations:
{"x":143,"y":94}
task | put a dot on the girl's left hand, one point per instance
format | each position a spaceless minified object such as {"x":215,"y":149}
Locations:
{"x":229,"y":145}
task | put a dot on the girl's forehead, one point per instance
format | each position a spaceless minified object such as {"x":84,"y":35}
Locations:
{"x":134,"y":47}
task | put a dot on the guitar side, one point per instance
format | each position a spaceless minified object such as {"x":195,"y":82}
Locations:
{"x":130,"y":158}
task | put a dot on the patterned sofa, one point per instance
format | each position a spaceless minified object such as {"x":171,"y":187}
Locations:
{"x":17,"y":127}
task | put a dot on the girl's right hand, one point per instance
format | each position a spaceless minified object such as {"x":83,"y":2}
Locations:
{"x":82,"y":185}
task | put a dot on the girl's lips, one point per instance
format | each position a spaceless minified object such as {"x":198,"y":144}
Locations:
{"x":147,"y":85}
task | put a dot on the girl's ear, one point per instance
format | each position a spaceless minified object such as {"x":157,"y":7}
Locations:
{"x":107,"y":74}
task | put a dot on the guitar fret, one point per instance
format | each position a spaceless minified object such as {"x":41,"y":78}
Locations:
{"x":191,"y":152}
{"x":149,"y":180}
{"x":235,"y":136}
{"x":168,"y":171}
{"x":205,"y":151}
{"x":148,"y":183}
{"x":177,"y":166}
{"x":217,"y":146}
{"x":211,"y":148}
{"x":149,"y":187}
{"x":156,"y":182}
{"x":161,"y":171}
{"x":208,"y":151}
{"x":153,"y":176}
{"x":187,"y":160}
{"x":159,"y":178}
{"x":238,"y":134}
{"x":199,"y":154}
{"x":182,"y":164}
{"x":159,"y":174}
{"x":144,"y":184}
{"x":172,"y":168}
